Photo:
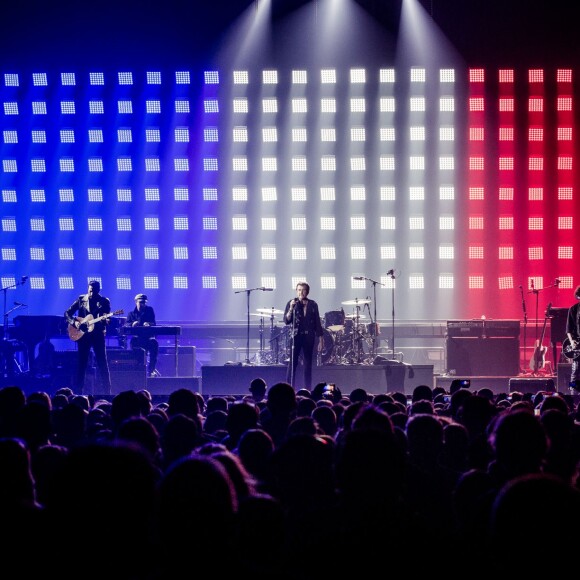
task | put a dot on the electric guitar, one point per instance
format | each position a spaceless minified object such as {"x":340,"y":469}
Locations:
{"x":538,"y":359}
{"x":76,"y":333}
{"x":568,"y":351}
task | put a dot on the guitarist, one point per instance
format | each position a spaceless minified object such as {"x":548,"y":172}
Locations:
{"x":91,"y":305}
{"x":573,"y":334}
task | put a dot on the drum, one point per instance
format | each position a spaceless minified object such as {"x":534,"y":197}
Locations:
{"x":327,"y":348}
{"x":334,"y":320}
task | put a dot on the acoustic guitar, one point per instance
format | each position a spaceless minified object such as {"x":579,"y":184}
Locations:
{"x":88,"y":322}
{"x":568,"y":351}
{"x":538,"y":360}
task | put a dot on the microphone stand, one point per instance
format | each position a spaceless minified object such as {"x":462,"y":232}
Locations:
{"x":391,"y":273}
{"x":5,"y":290}
{"x":525,"y":324}
{"x":292,"y":345}
{"x":248,"y":291}
{"x":374,"y":324}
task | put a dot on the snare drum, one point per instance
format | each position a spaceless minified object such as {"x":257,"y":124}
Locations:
{"x":334,"y":320}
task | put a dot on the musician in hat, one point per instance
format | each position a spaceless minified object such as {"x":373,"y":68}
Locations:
{"x":573,"y":334}
{"x":144,"y":315}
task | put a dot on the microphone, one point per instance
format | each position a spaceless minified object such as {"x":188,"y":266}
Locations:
{"x":19,"y":304}
{"x":266,"y":289}
{"x":390,"y":272}
{"x":358,"y":278}
{"x":23,"y":279}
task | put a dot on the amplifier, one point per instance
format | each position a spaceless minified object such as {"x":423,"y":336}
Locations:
{"x":120,"y":359}
{"x":533,"y":385}
{"x":478,"y":328}
{"x":185,"y":361}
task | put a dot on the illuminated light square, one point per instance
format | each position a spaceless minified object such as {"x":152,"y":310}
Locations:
{"x":388,"y":282}
{"x":151,"y":282}
{"x":416,"y":252}
{"x":96,"y":165}
{"x":327,"y":223}
{"x":239,"y":134}
{"x":11,"y":108}
{"x":446,"y":222}
{"x":506,"y":223}
{"x":37,"y":196}
{"x":39,"y":165}
{"x":416,"y":282}
{"x":270,"y":77}
{"x":388,"y":222}
{"x":327,"y":194}
{"x":506,"y":193}
{"x":211,"y":77}
{"x":387,"y":134}
{"x":65,"y":283}
{"x":417,"y":133}
{"x":124,"y":195}
{"x":328,"y":163}
{"x":66,"y":224}
{"x":387,"y":105}
{"x":476,"y":193}
{"x":446,"y":163}
{"x":535,"y":223}
{"x":447,"y":104}
{"x":268,"y":281}
{"x":299,"y":135}
{"x":123,"y":254}
{"x":565,"y":133}
{"x":239,"y":282}
{"x":269,"y":135}
{"x":476,"y":253}
{"x":181,"y":164}
{"x":9,"y":196}
{"x":181,"y":135}
{"x":536,"y":253}
{"x":476,"y":104}
{"x":536,"y":193}
{"x":328,"y":76}
{"x":565,"y":252}
{"x":506,"y":76}
{"x":211,"y":164}
{"x":124,"y":136}
{"x":565,"y":222}
{"x":388,"y":252}
{"x":447,"y":75}
{"x":9,"y":166}
{"x":357,"y":105}
{"x":565,"y":163}
{"x":475,"y":222}
{"x":269,"y":105}
{"x":505,"y":282}
{"x":358,"y":134}
{"x":239,"y":252}
{"x":11,"y":137}
{"x":358,"y":76}
{"x":211,"y":134}
{"x":535,"y":134}
{"x":151,"y":194}
{"x":8,"y":224}
{"x":475,"y":282}
{"x":37,"y":254}
{"x":536,"y":164}
{"x":506,"y":105}
{"x":269,"y":164}
{"x":476,"y":134}
{"x":212,"y":106}
{"x":564,"y":75}
{"x":506,"y":134}
{"x":268,"y":252}
{"x":299,"y":253}
{"x":565,"y":193}
{"x":416,"y":193}
{"x":328,"y":134}
{"x":125,"y":78}
{"x":269,"y":194}
{"x":536,"y":76}
{"x":180,"y":223}
{"x":357,"y":222}
{"x":328,"y":105}
{"x":240,"y":105}
{"x":67,"y":136}
{"x":299,"y":163}
{"x":123,"y":164}
{"x":151,"y":252}
{"x":299,"y":77}
{"x":446,"y":134}
{"x":181,"y":106}
{"x":153,"y":164}
{"x":505,"y":253}
{"x":535,"y":104}
{"x":95,"y":224}
{"x":417,"y":75}
{"x":180,"y":282}
{"x":95,"y":195}
{"x":506,"y":163}
{"x":239,"y":164}
{"x":11,"y":80}
{"x":387,"y":163}
{"x":153,"y":78}
{"x":388,"y":193}
{"x":416,"y":223}
{"x":96,"y":108}
{"x":328,"y":282}
{"x":327,"y":252}
{"x":180,"y":253}
{"x":358,"y":252}
{"x":209,"y":282}
{"x":446,"y":252}
{"x":8,"y":254}
{"x":387,"y":75}
{"x":239,"y":223}
{"x":357,"y":193}
{"x":476,"y":163}
{"x":269,"y":224}
{"x":124,"y":107}
{"x":564,"y":104}
{"x":209,"y":253}
{"x":151,"y":223}
{"x":417,"y":163}
{"x":417,"y":104}
{"x":96,"y":136}
{"x":240,"y":193}
{"x":39,"y":79}
{"x":209,"y":223}
{"x":124,"y":225}
{"x":446,"y":282}
{"x":38,"y":108}
{"x":179,"y":194}
{"x":241,"y":77}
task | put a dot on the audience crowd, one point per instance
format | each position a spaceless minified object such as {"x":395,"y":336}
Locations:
{"x":288,"y":485}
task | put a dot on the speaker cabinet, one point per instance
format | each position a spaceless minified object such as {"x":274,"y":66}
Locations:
{"x":564,"y":374}
{"x":127,"y":370}
{"x":486,"y":357}
{"x":185,"y":361}
{"x":532,"y":385}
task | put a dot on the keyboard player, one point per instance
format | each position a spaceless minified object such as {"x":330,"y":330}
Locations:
{"x":144,"y":315}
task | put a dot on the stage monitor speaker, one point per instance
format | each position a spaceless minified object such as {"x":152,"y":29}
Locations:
{"x":185,"y":361}
{"x":127,"y":369}
{"x":564,"y":374}
{"x":483,"y":357}
{"x":533,"y":385}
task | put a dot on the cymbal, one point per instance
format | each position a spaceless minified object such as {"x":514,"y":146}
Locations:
{"x":335,"y":328}
{"x":269,"y":311}
{"x":355,"y":302}
{"x":361,"y":316}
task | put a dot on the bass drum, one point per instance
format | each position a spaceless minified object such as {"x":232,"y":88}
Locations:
{"x":327,"y":348}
